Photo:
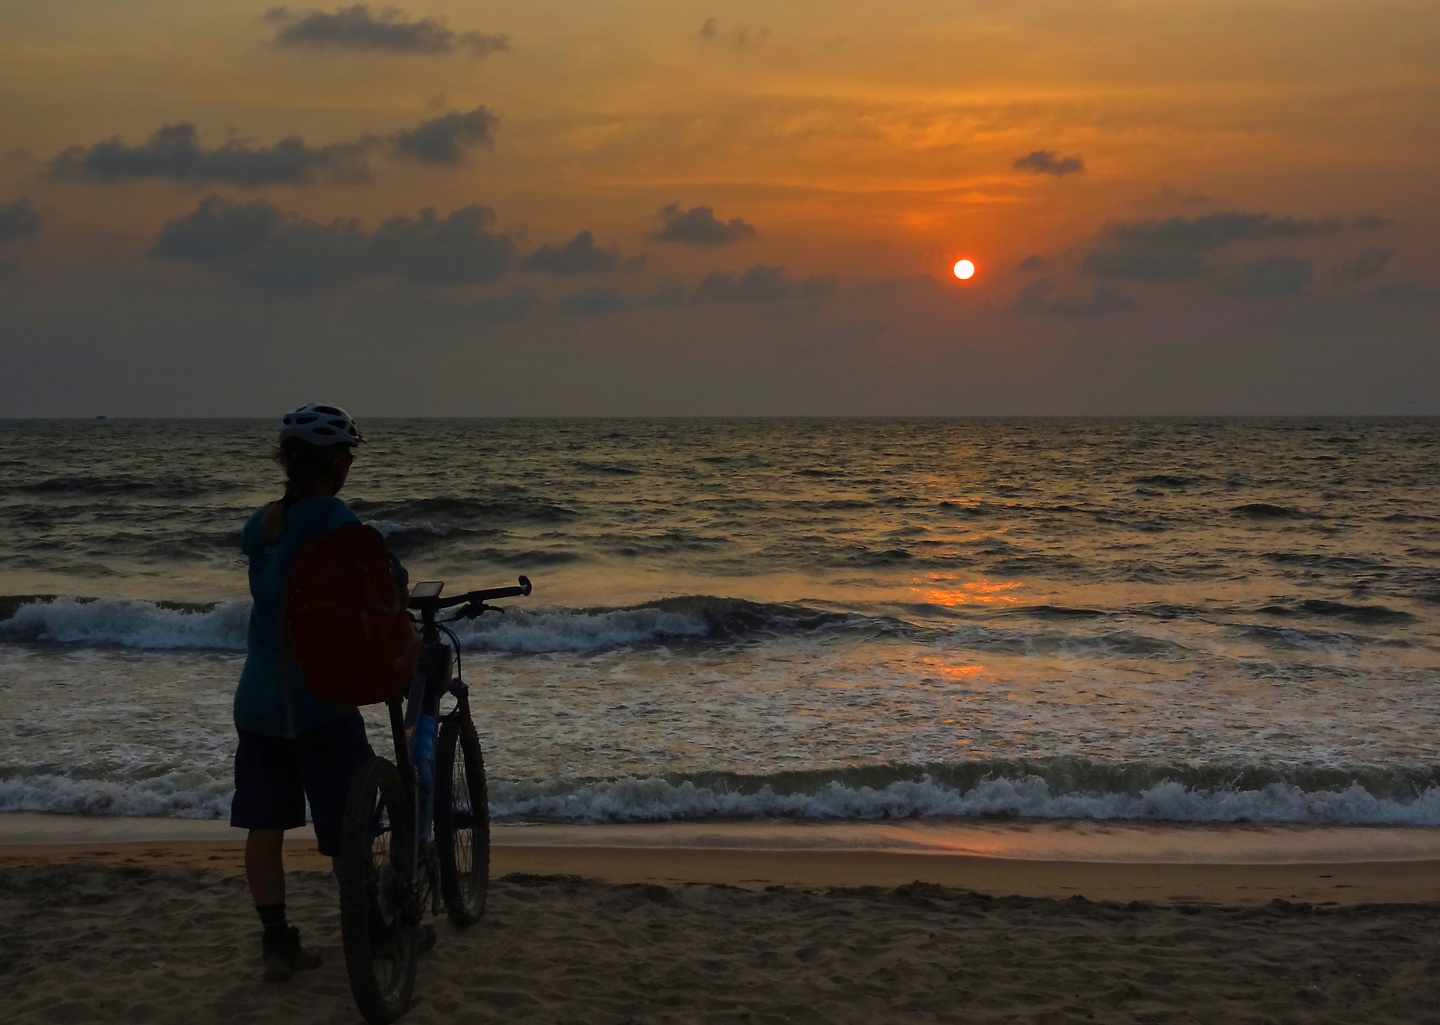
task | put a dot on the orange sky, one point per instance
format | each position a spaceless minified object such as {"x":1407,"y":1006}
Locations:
{"x":861,"y":151}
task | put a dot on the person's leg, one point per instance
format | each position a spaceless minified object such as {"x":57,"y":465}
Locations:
{"x":270,"y":799}
{"x":328,"y":756}
{"x":265,"y":866}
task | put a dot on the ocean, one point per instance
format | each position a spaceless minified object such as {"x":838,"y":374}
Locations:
{"x":1160,"y":620}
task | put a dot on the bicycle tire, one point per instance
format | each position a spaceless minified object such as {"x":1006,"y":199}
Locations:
{"x":462,"y":822}
{"x":375,"y":924}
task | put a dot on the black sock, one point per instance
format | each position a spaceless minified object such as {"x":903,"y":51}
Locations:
{"x":272,"y":919}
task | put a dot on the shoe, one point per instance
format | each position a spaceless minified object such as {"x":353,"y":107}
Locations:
{"x":284,"y":956}
{"x":425,"y":938}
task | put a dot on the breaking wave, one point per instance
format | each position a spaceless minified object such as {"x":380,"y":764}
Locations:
{"x":1057,"y":789}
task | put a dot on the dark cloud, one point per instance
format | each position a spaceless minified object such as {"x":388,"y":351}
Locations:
{"x":388,"y":31}
{"x":759,"y":284}
{"x":1176,"y":248}
{"x":699,"y":226}
{"x":456,"y":250}
{"x":741,"y":36}
{"x":1363,"y":265}
{"x":596,"y":300}
{"x":1044,"y":161}
{"x":175,"y":152}
{"x":501,"y":309}
{"x":578,"y":256}
{"x":1038,"y":298}
{"x":18,"y":219}
{"x":445,"y":139}
{"x":264,"y":245}
{"x":1273,"y":275}
{"x":1409,"y":293}
{"x":1032,"y":262}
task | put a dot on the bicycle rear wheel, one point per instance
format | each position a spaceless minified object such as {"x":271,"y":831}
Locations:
{"x":376,"y":921}
{"x":462,"y":822}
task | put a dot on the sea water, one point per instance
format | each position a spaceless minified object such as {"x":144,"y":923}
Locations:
{"x":1225,"y":620}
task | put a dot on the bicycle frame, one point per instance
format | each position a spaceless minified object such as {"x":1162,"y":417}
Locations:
{"x":408,"y":711}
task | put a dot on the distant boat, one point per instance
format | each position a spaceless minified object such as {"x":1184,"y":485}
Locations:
{"x":102,"y":416}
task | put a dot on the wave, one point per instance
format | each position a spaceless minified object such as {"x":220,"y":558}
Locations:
{"x":658,"y":800}
{"x":464,"y":510}
{"x":177,"y":794}
{"x":1339,"y":610}
{"x":1054,"y":789}
{"x":693,"y":619}
{"x":1164,"y":480}
{"x":392,"y":528}
{"x":111,"y":486}
{"x":1266,"y":511}
{"x":128,"y":623}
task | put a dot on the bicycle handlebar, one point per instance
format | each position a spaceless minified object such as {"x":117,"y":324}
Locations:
{"x":437,"y":603}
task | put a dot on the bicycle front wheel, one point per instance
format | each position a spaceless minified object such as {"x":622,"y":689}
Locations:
{"x":377,"y":922}
{"x":462,"y":822}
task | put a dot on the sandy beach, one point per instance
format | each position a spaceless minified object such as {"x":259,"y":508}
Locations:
{"x":161,"y":930}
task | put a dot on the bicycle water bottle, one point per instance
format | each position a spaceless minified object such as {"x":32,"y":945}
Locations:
{"x":422,"y":750}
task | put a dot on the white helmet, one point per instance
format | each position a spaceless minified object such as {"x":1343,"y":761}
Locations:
{"x":320,"y":424}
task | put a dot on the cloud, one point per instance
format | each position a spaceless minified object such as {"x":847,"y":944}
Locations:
{"x":1044,"y":161}
{"x":174,"y":152}
{"x":1364,"y":265}
{"x":356,"y":28}
{"x":444,"y":140}
{"x":578,"y":256}
{"x":1176,"y":248}
{"x":1273,"y":275}
{"x":1037,"y":298}
{"x":266,"y":246}
{"x":1032,"y":262}
{"x":459,"y":249}
{"x":740,"y":36}
{"x":501,"y":309}
{"x":18,"y":220}
{"x":759,"y":284}
{"x":596,"y":300}
{"x":1408,"y":293}
{"x":699,"y":226}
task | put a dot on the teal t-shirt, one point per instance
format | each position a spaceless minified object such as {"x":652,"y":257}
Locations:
{"x":272,"y":697}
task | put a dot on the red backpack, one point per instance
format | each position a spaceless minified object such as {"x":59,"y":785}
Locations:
{"x":346,"y":619}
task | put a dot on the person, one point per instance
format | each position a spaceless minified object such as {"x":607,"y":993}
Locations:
{"x":292,"y":745}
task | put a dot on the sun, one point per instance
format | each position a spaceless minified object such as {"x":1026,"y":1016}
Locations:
{"x":964,"y":270}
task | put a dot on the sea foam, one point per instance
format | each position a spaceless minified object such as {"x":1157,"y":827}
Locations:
{"x":196,"y":794}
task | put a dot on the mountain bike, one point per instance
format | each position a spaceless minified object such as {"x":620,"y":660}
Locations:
{"x":416,"y":832}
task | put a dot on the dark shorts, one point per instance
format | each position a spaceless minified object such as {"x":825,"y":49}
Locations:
{"x":274,"y":776}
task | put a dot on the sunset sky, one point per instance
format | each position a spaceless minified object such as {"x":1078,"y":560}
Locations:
{"x":646,"y":207}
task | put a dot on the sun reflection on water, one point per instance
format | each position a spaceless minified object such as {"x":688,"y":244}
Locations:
{"x":940,"y":589}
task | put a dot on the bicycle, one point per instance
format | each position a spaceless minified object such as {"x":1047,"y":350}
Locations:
{"x":416,"y":831}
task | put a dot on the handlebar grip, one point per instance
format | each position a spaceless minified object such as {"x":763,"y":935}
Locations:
{"x":436,"y":603}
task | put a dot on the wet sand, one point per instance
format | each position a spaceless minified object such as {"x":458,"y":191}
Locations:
{"x":637,"y":926}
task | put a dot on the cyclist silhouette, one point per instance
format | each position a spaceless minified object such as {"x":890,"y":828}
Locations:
{"x":292,"y":745}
